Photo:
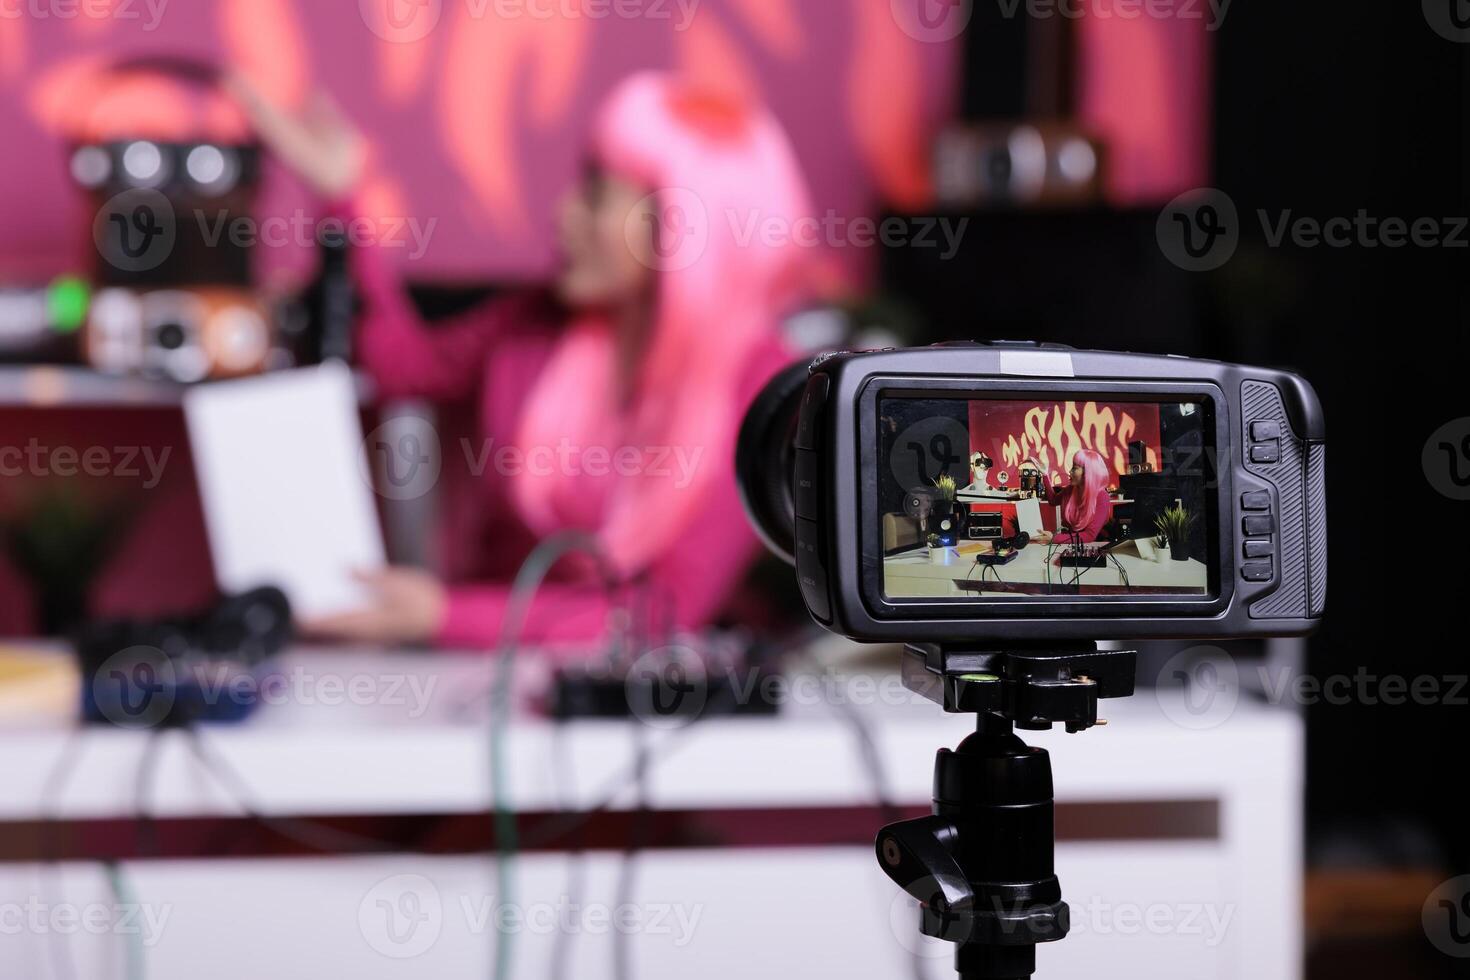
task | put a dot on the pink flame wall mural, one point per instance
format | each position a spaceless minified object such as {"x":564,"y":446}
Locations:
{"x":476,"y":109}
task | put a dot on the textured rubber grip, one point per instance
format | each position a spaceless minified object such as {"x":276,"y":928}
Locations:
{"x":1316,"y":529}
{"x":1262,"y":402}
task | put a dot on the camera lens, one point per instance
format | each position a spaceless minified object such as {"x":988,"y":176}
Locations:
{"x":765,"y":457}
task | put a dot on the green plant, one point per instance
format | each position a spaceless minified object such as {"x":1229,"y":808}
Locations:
{"x":61,"y":540}
{"x":933,"y":540}
{"x":947,"y":487}
{"x":1173,"y":524}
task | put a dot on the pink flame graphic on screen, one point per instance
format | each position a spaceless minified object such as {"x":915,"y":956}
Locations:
{"x":1053,"y":434}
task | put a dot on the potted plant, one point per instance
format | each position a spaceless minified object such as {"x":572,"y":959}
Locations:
{"x":937,"y":552}
{"x":1173,"y":529}
{"x":947,"y":514}
{"x":947,"y":488}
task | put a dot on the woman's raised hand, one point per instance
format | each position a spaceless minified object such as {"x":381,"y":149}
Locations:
{"x":319,"y":144}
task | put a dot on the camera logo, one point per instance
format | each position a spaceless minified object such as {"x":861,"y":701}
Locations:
{"x":928,"y":449}
{"x":668,"y":230}
{"x":135,"y":231}
{"x":1199,"y":230}
{"x":401,"y":917}
{"x":135,"y":688}
{"x":932,"y":21}
{"x":1450,"y":19}
{"x":1446,"y":459}
{"x":1446,"y":917}
{"x":401,"y":21}
{"x":401,"y":458}
{"x":1198,"y":688}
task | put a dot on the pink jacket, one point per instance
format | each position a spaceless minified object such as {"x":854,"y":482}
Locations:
{"x":494,"y":354}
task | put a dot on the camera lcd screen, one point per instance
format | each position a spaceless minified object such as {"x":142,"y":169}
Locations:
{"x":1029,"y":497}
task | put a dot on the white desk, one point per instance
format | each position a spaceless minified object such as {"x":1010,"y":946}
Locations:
{"x":917,"y":574}
{"x":1225,"y":906}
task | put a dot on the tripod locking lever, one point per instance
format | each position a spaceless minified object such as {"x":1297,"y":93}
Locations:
{"x":918,"y":856}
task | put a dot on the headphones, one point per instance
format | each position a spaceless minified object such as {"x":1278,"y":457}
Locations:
{"x":201,"y":168}
{"x":168,"y":671}
{"x":171,"y":302}
{"x":1015,"y":542}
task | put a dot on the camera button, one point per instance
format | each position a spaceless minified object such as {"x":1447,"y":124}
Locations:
{"x":1257,"y":525}
{"x":1256,"y":500}
{"x":1256,"y":571}
{"x":1258,"y":549}
{"x":808,"y":429}
{"x":1262,"y":431}
{"x":1266,"y":452}
{"x":811,"y":573}
{"x":807,"y":488}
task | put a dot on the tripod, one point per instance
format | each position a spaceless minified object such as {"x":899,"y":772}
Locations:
{"x":981,"y":866}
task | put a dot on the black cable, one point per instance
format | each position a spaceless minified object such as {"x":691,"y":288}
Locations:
{"x":307,"y":833}
{"x":1084,"y":559}
{"x":613,"y":789}
{"x":1077,"y":552}
{"x":661,"y":632}
{"x":867,"y":745}
{"x":528,"y":580}
{"x":1121,"y":571}
{"x":651,"y":753}
{"x":635,"y":775}
{"x":134,"y":954}
{"x":638,"y":606}
{"x":995,"y":573}
{"x":1050,"y":549}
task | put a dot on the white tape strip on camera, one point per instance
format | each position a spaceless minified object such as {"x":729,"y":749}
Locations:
{"x":1037,"y":363}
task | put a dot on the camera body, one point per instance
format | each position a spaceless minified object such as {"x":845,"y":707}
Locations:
{"x":1176,"y":497}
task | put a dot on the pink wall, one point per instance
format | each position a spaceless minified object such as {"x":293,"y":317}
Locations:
{"x":479,"y":123}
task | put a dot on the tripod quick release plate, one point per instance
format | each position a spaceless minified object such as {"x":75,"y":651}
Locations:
{"x":1033,"y":689}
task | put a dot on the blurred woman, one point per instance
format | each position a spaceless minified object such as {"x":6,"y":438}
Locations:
{"x":622,"y":399}
{"x":1084,"y":506}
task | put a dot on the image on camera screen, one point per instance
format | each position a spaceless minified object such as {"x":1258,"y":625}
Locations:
{"x":1034,"y":497}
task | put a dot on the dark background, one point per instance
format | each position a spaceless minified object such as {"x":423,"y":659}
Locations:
{"x":1326,"y":112}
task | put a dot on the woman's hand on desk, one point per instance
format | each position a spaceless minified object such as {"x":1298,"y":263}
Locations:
{"x":408,"y":607}
{"x":1042,"y":537}
{"x":319,"y":144}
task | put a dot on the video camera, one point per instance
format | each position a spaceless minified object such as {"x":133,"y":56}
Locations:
{"x":1002,"y":508}
{"x":1220,"y":464}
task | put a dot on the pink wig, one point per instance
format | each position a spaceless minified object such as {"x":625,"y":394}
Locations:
{"x":717,"y":169}
{"x":1080,"y":507}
